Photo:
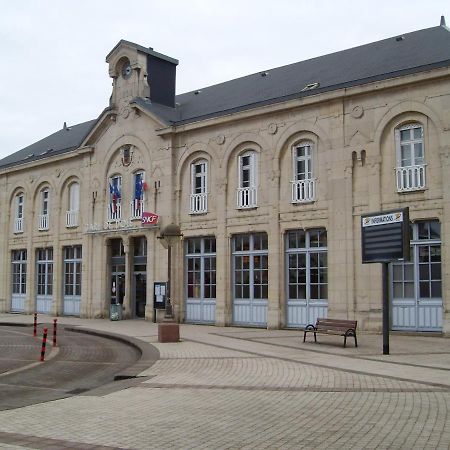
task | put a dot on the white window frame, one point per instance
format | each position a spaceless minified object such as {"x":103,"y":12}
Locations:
{"x":410,"y":177}
{"x":74,"y":205}
{"x":199,"y":199}
{"x":19,"y":212}
{"x":43,"y":217}
{"x":137,"y":204}
{"x":247,"y":196}
{"x":303,"y":185}
{"x":115,"y":213}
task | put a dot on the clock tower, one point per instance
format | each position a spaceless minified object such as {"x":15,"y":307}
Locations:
{"x":139,"y":71}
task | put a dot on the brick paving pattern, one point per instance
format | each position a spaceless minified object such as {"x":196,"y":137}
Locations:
{"x":254,"y":389}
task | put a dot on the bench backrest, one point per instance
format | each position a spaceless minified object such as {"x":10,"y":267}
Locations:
{"x":336,"y":324}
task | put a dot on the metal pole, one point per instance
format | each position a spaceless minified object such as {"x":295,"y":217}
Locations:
{"x":385,"y":308}
{"x":168,"y":314}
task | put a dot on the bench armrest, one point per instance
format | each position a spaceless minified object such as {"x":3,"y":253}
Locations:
{"x":310,"y":327}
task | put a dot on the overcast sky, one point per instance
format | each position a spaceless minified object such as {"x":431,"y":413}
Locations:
{"x":53,"y":52}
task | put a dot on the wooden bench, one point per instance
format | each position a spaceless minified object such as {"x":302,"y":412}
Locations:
{"x":339,"y":327}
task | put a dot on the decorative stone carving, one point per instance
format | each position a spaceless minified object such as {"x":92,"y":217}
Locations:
{"x":220,"y":139}
{"x":357,"y":112}
{"x":273,"y":128}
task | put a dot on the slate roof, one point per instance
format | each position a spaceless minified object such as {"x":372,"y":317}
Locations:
{"x":62,"y":141}
{"x":389,"y":58}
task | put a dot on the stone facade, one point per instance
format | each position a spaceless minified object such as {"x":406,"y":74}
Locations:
{"x":353,"y":143}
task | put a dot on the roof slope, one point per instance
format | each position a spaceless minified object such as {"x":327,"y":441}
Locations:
{"x":417,"y":51}
{"x":62,"y":141}
{"x":409,"y":53}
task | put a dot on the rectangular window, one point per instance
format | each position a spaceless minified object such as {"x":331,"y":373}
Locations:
{"x":307,"y":265}
{"x":44,"y":271}
{"x":201,"y":268}
{"x":19,"y":272}
{"x":72,"y":270}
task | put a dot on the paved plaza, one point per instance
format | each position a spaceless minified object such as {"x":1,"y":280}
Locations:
{"x":243,"y":388}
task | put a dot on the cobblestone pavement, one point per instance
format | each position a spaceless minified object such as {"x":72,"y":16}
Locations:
{"x":235,"y":388}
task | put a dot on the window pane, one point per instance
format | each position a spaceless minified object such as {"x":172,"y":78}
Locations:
{"x":409,"y":290}
{"x":435,"y":230}
{"x":405,"y":135}
{"x":418,"y":133}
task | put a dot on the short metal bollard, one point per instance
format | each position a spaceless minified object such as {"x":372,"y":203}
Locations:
{"x":54,"y":332}
{"x":44,"y":341}
{"x":35,"y":324}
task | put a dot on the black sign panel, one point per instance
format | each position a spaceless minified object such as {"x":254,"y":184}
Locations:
{"x":385,"y":236}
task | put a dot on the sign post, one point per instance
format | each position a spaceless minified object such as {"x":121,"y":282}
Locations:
{"x":385,"y":238}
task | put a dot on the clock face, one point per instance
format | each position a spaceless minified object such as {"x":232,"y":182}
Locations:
{"x":126,"y":70}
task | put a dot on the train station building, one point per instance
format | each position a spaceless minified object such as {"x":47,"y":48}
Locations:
{"x":267,"y":177}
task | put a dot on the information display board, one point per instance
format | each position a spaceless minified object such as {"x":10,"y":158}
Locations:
{"x":160,"y":294}
{"x":385,"y":236}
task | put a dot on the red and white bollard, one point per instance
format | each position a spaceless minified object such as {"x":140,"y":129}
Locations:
{"x":44,"y":341}
{"x":54,"y":332}
{"x":35,"y":324}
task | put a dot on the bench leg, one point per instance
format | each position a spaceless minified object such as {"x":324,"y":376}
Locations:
{"x":345,"y":341}
{"x":315,"y":337}
{"x":356,"y":342}
{"x":304,"y":336}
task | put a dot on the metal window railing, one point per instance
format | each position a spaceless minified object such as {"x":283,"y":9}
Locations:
{"x":303,"y":190}
{"x":18,"y":225}
{"x":136,"y":209}
{"x":71,"y":219}
{"x":114,"y":212}
{"x":247,"y":197}
{"x":43,"y":221}
{"x":199,"y":203}
{"x":410,"y":178}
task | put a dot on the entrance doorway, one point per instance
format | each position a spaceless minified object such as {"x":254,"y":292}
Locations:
{"x":117,"y":286}
{"x":139,"y":291}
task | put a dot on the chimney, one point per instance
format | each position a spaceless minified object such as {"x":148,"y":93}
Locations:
{"x":443,"y":21}
{"x":161,"y":78}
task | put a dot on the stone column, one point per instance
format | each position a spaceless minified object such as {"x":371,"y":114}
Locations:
{"x":276,"y":301}
{"x":58,"y":265}
{"x":445,"y":233}
{"x":151,"y":238}
{"x":223,"y":298}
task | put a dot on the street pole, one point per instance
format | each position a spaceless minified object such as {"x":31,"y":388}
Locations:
{"x":385,"y":308}
{"x":168,"y":312}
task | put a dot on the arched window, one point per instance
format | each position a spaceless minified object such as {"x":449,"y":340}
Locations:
{"x":247,"y":192}
{"x":139,"y":187}
{"x":19,"y":205}
{"x":303,"y":183}
{"x":199,"y":187}
{"x":410,"y":157}
{"x":115,"y":198}
{"x":43,"y":216}
{"x":72,"y":215}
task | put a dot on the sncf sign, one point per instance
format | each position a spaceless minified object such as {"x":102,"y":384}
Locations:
{"x":149,"y":219}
